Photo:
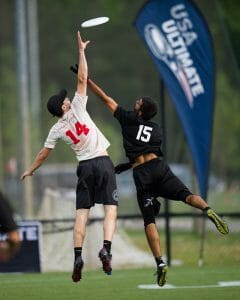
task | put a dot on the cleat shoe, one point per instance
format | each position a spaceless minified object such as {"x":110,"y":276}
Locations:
{"x":219,"y":223}
{"x":77,"y":269}
{"x":105,"y":258}
{"x":161,"y":274}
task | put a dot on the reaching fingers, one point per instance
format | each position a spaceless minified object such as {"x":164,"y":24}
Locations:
{"x":81,"y":44}
{"x":26,"y":173}
{"x":23,"y":176}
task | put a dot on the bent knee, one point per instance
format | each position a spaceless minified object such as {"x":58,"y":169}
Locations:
{"x":148,"y":220}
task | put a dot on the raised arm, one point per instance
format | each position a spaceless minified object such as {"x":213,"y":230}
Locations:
{"x":108,"y":101}
{"x":83,"y":67}
{"x":39,"y":160}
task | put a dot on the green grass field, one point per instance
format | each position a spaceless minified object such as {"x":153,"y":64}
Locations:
{"x":187,"y":281}
{"x":190,"y":283}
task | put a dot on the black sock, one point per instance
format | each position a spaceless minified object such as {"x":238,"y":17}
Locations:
{"x":158,"y":260}
{"x":107,"y":245}
{"x":206,"y":208}
{"x":77,"y":252}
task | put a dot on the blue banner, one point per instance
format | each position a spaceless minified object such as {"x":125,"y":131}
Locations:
{"x":180,"y":45}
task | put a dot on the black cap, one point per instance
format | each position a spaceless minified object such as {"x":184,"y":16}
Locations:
{"x":55,"y":102}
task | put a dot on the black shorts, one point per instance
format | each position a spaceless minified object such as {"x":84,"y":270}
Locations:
{"x":7,"y":222}
{"x":155,"y":179}
{"x":96,"y":183}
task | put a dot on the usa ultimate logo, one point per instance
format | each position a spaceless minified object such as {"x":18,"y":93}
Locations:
{"x":171,"y":46}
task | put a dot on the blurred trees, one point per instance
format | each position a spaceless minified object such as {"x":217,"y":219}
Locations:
{"x":230,"y":14}
{"x":120,"y":64}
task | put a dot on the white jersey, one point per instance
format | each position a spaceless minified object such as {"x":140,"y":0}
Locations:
{"x":77,"y":129}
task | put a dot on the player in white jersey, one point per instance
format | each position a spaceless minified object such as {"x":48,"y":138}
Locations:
{"x":96,"y":178}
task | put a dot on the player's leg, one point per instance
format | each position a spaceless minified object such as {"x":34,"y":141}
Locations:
{"x":173,"y":188}
{"x":153,"y":239}
{"x":155,"y":246}
{"x":109,"y":225}
{"x":198,"y":202}
{"x":106,"y":193}
{"x":79,"y":233}
{"x":79,"y":230}
{"x":84,"y":201}
{"x":149,"y":207}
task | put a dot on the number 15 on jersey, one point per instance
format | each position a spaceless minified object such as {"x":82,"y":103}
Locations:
{"x":144,"y":133}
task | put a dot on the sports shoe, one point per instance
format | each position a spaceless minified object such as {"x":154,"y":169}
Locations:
{"x":161,"y":274}
{"x":77,"y":269}
{"x":219,"y":223}
{"x":105,"y":258}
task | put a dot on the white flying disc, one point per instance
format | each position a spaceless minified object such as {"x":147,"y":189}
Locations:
{"x":95,"y":22}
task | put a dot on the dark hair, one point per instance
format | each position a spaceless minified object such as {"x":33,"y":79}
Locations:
{"x":55,"y":102}
{"x":149,"y":108}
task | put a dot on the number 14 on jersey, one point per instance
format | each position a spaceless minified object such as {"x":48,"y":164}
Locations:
{"x":80,"y":129}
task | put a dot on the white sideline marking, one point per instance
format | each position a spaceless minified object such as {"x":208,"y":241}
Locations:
{"x":229,"y":283}
{"x":170,"y":286}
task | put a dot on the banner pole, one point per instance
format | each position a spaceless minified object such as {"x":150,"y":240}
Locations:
{"x":164,"y":148}
{"x":202,"y":242}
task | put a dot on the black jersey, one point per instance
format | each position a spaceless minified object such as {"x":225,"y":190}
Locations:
{"x":139,"y":136}
{"x":7,"y":222}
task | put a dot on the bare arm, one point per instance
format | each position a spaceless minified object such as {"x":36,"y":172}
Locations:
{"x":108,"y":101}
{"x":83,"y":67}
{"x":39,"y":160}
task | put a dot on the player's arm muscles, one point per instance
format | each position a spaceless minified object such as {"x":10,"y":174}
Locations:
{"x":39,"y":160}
{"x":82,"y":74}
{"x":108,"y":101}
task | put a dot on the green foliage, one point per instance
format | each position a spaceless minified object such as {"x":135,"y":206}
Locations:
{"x":227,"y":126}
{"x":8,"y":102}
{"x":230,"y":12}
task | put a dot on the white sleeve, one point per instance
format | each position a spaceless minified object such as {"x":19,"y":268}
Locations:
{"x":52,"y":138}
{"x":79,"y":102}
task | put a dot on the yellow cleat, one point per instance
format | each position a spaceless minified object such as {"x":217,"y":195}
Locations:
{"x":222,"y":226}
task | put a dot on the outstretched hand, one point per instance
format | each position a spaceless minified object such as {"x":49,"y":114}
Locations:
{"x":82,"y":45}
{"x":26,"y":173}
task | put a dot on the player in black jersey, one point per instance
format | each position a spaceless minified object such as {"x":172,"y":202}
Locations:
{"x":153,"y":178}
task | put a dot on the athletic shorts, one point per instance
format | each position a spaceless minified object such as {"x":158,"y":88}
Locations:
{"x":7,"y":222}
{"x":96,"y":183}
{"x":155,"y":179}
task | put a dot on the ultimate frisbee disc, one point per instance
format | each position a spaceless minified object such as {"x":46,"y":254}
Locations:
{"x":95,"y":22}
